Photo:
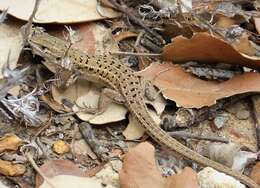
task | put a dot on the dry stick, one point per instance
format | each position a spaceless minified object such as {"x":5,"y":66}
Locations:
{"x":37,"y":169}
{"x":255,"y":121}
{"x":197,"y":137}
{"x":135,"y":20}
{"x":47,"y":124}
{"x":184,"y":18}
{"x":211,"y":27}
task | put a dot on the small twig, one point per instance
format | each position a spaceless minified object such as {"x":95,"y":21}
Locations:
{"x":89,"y":137}
{"x":184,"y":18}
{"x":3,"y":15}
{"x":137,"y":54}
{"x":37,"y":169}
{"x":27,"y":27}
{"x":41,"y":129}
{"x":255,"y":121}
{"x":211,"y":27}
{"x":140,"y":35}
{"x":135,"y":19}
{"x":197,"y":137}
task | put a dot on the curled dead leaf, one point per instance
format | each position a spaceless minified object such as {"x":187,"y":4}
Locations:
{"x":205,"y":48}
{"x":139,"y":170}
{"x":53,"y":11}
{"x":191,"y":92}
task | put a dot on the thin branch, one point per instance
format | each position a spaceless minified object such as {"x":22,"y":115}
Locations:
{"x":183,"y":134}
{"x":37,"y":169}
{"x":26,"y":29}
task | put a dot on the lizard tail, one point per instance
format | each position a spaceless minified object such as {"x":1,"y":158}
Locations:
{"x":165,"y":139}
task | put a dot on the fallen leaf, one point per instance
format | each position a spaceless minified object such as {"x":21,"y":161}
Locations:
{"x":64,"y":173}
{"x":139,"y":170}
{"x":209,"y":177}
{"x":242,"y":159}
{"x":11,"y":43}
{"x":72,"y":92}
{"x":205,"y":48}
{"x":133,"y":130}
{"x":114,"y":112}
{"x":66,"y":181}
{"x":2,"y":185}
{"x":186,"y":179}
{"x":257,"y":24}
{"x":9,"y":169}
{"x":58,"y":167}
{"x":10,"y":142}
{"x":54,"y":11}
{"x":191,"y":92}
{"x":255,"y":173}
{"x":223,"y":153}
{"x":61,"y":147}
{"x":94,"y":39}
{"x":158,"y":104}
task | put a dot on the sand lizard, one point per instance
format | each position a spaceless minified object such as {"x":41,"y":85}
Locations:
{"x":115,"y":75}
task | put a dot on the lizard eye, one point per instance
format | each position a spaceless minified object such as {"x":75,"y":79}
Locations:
{"x":44,"y":48}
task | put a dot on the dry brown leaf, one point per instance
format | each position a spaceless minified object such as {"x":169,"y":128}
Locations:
{"x":9,"y":169}
{"x":191,"y":92}
{"x":257,"y":24}
{"x":205,"y":48}
{"x":139,"y":170}
{"x":10,"y":142}
{"x":65,"y":174}
{"x":95,"y":39}
{"x":73,"y":92}
{"x":56,"y":106}
{"x":255,"y":173}
{"x":58,"y":167}
{"x":11,"y":42}
{"x":55,"y":11}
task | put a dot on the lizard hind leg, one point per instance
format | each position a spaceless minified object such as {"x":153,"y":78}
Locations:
{"x":150,"y":91}
{"x":106,"y":97}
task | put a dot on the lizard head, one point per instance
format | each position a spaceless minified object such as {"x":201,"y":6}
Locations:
{"x":45,"y":45}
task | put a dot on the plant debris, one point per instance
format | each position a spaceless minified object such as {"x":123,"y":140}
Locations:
{"x":198,"y":67}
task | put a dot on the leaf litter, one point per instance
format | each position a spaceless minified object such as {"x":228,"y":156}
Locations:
{"x":219,"y":63}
